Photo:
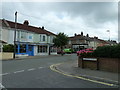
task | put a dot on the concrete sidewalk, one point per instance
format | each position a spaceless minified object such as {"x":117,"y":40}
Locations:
{"x":71,"y":68}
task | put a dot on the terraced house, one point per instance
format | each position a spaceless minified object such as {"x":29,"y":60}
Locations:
{"x":30,"y":40}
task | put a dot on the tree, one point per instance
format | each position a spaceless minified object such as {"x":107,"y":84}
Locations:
{"x":61,"y":40}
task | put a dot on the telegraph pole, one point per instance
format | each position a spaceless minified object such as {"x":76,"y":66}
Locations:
{"x":15,"y":34}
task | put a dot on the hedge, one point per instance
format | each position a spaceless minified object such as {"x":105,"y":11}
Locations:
{"x":107,"y":51}
{"x":8,"y":48}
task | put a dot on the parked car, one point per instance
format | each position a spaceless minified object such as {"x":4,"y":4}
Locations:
{"x":68,"y":50}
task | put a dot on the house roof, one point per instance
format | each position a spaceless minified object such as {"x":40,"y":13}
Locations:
{"x":111,"y":42}
{"x":79,"y":37}
{"x":98,"y":40}
{"x":28,"y":27}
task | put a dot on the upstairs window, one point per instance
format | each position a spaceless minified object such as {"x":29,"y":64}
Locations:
{"x":23,"y":35}
{"x":30,"y":37}
{"x":40,"y":37}
{"x":43,"y":38}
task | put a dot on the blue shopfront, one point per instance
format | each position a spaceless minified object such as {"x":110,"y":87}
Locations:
{"x":25,"y":49}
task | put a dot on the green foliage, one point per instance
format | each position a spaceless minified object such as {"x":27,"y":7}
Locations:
{"x":108,"y":51}
{"x":8,"y":48}
{"x":60,"y":40}
{"x":85,"y":55}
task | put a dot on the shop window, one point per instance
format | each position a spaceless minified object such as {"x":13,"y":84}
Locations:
{"x":53,"y":49}
{"x":23,"y":48}
{"x":42,"y":49}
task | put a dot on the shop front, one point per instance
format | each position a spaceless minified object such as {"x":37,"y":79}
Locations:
{"x":25,"y":49}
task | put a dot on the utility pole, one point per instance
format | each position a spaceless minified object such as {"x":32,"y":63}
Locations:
{"x":15,"y":34}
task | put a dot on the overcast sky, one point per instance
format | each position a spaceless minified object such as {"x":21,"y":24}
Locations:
{"x":94,"y":18}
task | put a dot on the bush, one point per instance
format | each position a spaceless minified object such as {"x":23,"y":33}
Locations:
{"x":8,"y":48}
{"x":85,"y":53}
{"x":108,"y":51}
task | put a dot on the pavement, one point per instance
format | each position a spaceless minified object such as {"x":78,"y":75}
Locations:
{"x":71,"y":69}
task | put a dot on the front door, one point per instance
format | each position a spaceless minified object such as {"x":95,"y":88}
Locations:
{"x":31,"y":50}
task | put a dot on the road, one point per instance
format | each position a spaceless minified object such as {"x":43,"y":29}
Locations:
{"x":36,"y":73}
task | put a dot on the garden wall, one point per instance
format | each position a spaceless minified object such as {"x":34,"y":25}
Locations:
{"x":105,"y":64}
{"x":6,"y":55}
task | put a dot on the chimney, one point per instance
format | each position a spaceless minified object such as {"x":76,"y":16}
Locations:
{"x":81,"y":33}
{"x":26,"y":22}
{"x":95,"y":37}
{"x":87,"y":35}
{"x":75,"y":34}
{"x":42,"y":27}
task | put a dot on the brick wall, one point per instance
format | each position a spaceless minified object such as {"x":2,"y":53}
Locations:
{"x":105,"y":64}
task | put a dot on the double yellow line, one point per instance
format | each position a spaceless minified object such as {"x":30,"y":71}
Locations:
{"x":52,"y":67}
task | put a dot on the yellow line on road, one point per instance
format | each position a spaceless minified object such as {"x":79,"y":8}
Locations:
{"x":80,"y":77}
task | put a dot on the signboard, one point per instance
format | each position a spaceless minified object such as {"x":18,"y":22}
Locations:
{"x":90,"y":59}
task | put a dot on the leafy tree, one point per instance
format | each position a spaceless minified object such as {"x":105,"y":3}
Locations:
{"x":61,"y":40}
{"x":8,"y":48}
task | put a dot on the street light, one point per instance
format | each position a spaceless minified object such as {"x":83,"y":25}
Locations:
{"x":109,"y":34}
{"x":15,"y":34}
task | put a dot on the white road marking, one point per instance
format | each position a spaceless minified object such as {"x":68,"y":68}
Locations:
{"x":4,"y":74}
{"x":40,"y":67}
{"x":31,"y":69}
{"x":19,"y":71}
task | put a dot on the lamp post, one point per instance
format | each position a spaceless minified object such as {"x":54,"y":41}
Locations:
{"x":109,"y":34}
{"x":15,"y":34}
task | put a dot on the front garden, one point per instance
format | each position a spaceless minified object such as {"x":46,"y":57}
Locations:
{"x":104,"y":58}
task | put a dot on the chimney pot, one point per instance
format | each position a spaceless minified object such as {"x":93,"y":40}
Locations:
{"x":75,"y":34}
{"x":81,"y":33}
{"x":26,"y":22}
{"x":42,"y":27}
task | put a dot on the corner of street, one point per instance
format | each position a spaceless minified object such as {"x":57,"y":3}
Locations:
{"x":71,"y":69}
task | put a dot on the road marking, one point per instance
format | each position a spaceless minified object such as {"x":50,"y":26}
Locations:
{"x":4,"y":74}
{"x":1,"y":87}
{"x":40,"y":67}
{"x":52,"y":67}
{"x":19,"y":71}
{"x":31,"y":69}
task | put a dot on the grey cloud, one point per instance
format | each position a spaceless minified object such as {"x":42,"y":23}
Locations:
{"x":91,"y":12}
{"x":94,"y":14}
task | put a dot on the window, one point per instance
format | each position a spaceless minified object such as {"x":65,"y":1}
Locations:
{"x":51,"y":39}
{"x":30,"y":37}
{"x":23,"y":35}
{"x":23,"y":48}
{"x":53,"y":49}
{"x":42,"y":49}
{"x":43,"y":38}
{"x":40,"y":37}
{"x":18,"y":35}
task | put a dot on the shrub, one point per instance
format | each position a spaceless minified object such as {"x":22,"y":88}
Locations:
{"x":8,"y":48}
{"x":85,"y":53}
{"x":108,"y":51}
